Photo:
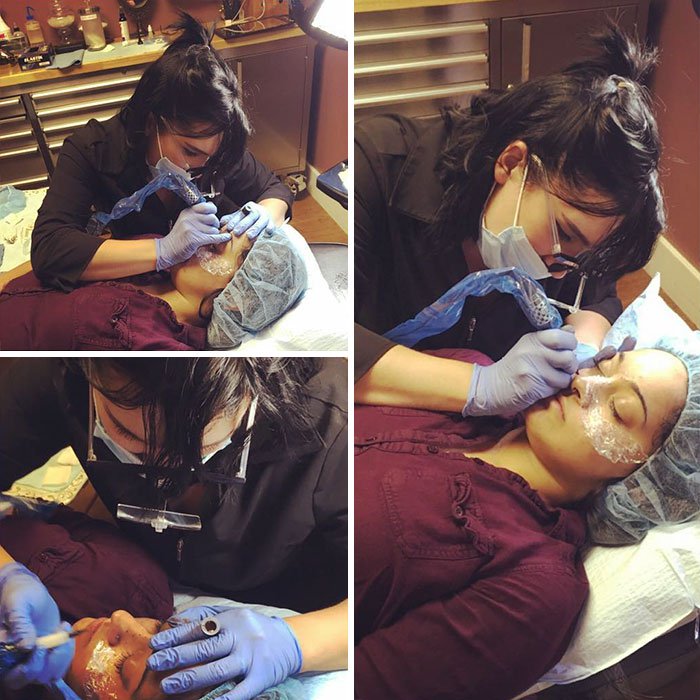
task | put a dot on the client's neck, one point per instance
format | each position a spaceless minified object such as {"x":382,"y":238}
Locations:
{"x":515,"y":454}
{"x":185,"y":308}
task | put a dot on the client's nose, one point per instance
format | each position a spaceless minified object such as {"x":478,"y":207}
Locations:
{"x":122,"y":623}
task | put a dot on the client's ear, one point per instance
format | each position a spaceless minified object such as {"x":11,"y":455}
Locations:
{"x":206,"y":306}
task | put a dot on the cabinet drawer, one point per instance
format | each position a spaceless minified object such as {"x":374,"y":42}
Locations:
{"x":415,"y":61}
{"x":11,"y":107}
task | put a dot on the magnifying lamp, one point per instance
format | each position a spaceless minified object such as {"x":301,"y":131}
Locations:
{"x":323,"y":20}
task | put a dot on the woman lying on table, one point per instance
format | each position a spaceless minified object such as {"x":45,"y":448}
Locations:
{"x":215,"y":298}
{"x":116,"y":595}
{"x":468,"y":535}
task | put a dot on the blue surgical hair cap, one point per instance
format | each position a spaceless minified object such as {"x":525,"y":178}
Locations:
{"x":270,"y":281}
{"x":666,"y":487}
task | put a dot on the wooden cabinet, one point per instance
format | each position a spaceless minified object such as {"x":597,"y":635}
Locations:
{"x":39,"y":110}
{"x":415,"y":57}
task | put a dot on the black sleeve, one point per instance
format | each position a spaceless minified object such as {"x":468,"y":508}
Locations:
{"x":370,"y":182}
{"x":600,"y":295}
{"x":370,"y":220}
{"x":61,"y":248}
{"x":253,"y":181}
{"x":31,"y":417}
{"x":369,"y":347}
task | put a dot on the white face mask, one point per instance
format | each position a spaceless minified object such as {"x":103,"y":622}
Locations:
{"x":511,"y":248}
{"x":165,"y":165}
{"x":126,"y":457}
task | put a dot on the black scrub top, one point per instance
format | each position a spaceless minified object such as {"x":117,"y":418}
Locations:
{"x":399,"y":269}
{"x":280,"y":538}
{"x":96,"y":169}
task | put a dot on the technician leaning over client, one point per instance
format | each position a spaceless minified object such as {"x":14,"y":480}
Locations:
{"x":571,"y":156}
{"x":186,"y":108}
{"x":255,"y":449}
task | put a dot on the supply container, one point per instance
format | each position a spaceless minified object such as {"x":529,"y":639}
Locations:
{"x":93,"y":32}
{"x":34,"y":33}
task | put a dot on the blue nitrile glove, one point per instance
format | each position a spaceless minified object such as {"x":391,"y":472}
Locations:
{"x":27,"y":611}
{"x":251,"y":218}
{"x":262,"y":649}
{"x":196,"y":226}
{"x":608,"y":351}
{"x":537,"y":366}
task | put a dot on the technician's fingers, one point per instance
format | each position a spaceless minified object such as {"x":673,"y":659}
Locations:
{"x":28,"y":671}
{"x":562,"y":359}
{"x":204,"y":208}
{"x":258,"y":227}
{"x":232,"y":219}
{"x":208,"y":220}
{"x":245,"y":223}
{"x":213,"y":673}
{"x":177,"y":635}
{"x":557,"y":339}
{"x":21,"y":628}
{"x":192,"y":653}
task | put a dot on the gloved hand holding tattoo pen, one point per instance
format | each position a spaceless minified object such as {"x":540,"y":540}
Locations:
{"x":537,"y":366}
{"x":252,"y":219}
{"x":224,"y":643}
{"x":27,"y":612}
{"x":195,"y":227}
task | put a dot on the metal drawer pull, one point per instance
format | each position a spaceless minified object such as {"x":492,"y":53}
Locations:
{"x":15,"y":135}
{"x":81,"y":106}
{"x":525,"y":58}
{"x":418,"y":64}
{"x":71,"y":125}
{"x":55,"y":145}
{"x":437,"y":31}
{"x":18,"y":152}
{"x":433,"y":93}
{"x":28,"y":181}
{"x":11,"y":102}
{"x":86,"y":86}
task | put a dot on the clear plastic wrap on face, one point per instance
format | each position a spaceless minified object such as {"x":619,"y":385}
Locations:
{"x":213,"y":262}
{"x":608,"y":438}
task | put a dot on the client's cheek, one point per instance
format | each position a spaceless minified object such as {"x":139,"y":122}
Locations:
{"x":101,"y":674}
{"x":214,"y":263}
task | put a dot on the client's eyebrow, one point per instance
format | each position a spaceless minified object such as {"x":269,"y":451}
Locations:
{"x":635,"y":387}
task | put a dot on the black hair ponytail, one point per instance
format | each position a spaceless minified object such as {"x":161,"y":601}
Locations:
{"x":593,"y":128}
{"x":190,"y":84}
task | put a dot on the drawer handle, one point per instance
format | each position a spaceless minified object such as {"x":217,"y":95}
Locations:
{"x":382,"y":36}
{"x":11,"y":102}
{"x":127,"y":80}
{"x":525,"y":58}
{"x":28,"y":181}
{"x":15,"y":135}
{"x":418,"y":64}
{"x":71,"y":125}
{"x":18,"y":152}
{"x":81,"y":106}
{"x":419,"y":95}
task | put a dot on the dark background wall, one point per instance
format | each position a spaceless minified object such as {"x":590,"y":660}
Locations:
{"x":675,"y":29}
{"x":329,"y":109}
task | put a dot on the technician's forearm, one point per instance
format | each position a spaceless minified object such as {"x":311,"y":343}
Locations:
{"x":408,"y":378}
{"x":590,"y":327}
{"x":115,"y":259}
{"x":277,"y":209}
{"x":323,"y":637}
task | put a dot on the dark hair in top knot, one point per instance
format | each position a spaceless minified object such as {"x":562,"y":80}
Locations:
{"x":196,"y":91}
{"x":593,"y":129}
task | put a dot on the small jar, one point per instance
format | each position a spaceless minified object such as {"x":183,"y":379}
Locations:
{"x":93,"y":33}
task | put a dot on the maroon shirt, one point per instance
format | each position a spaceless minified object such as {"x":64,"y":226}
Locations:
{"x":97,"y":316}
{"x":89,"y":568}
{"x":467,"y":585}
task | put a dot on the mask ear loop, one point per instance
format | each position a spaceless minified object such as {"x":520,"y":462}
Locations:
{"x":160,"y":150}
{"x":520,"y":194}
{"x":91,"y":456}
